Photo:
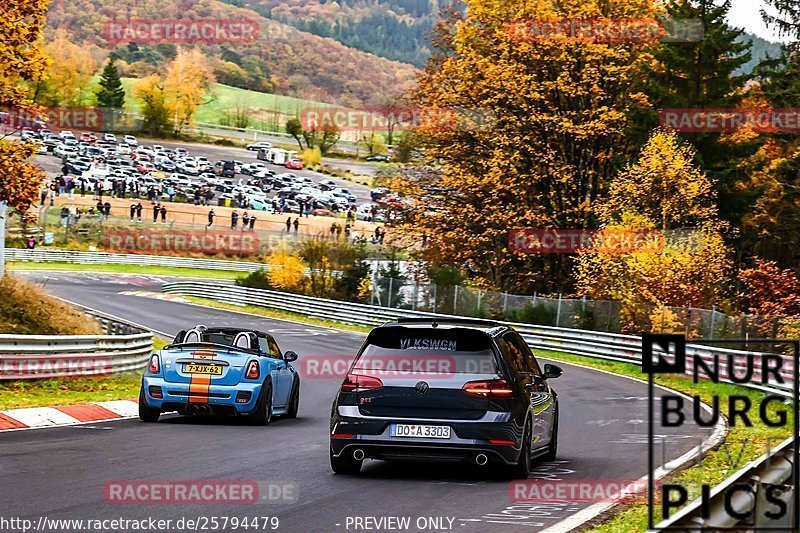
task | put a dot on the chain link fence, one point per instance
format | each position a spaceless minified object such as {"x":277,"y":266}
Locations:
{"x":594,"y":315}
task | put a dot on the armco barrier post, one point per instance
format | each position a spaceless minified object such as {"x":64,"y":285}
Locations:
{"x":3,"y":210}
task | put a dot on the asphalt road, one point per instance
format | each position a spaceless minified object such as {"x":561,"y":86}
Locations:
{"x":61,"y":472}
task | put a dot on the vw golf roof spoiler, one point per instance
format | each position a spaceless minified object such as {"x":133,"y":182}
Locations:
{"x":435,"y":321}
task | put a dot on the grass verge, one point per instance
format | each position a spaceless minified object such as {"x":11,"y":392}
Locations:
{"x":73,"y":390}
{"x":128,"y":269}
{"x":69,"y":391}
{"x":742,"y":444}
{"x":280,"y":315}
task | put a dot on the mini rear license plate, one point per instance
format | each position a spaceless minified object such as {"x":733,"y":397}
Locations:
{"x":203,"y":369}
{"x":418,"y":431}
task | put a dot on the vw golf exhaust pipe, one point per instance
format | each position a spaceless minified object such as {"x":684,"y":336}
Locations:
{"x":358,"y":454}
{"x":481,"y":459}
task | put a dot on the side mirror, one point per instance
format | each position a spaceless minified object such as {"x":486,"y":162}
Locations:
{"x":552,"y":371}
{"x":290,"y":356}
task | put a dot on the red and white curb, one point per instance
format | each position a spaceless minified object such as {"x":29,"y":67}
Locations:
{"x":67,"y":415}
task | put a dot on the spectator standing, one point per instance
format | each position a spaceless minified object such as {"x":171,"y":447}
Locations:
{"x":83,"y":187}
{"x":296,"y":224}
{"x":288,"y":224}
{"x":44,"y":195}
{"x":252,"y":222}
{"x":106,"y":210}
{"x":163,"y":214}
{"x":245,"y":221}
{"x":210,"y":218}
{"x":156,"y":210}
{"x":139,"y":211}
{"x":133,"y":211}
{"x":234,"y":219}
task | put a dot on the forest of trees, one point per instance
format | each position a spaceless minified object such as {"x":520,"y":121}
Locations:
{"x":394,"y":29}
{"x":282,"y":59}
{"x":575,"y":143}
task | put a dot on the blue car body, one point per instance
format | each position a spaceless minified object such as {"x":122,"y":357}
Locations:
{"x":211,"y":371}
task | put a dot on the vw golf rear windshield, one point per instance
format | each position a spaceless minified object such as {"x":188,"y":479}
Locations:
{"x":446,"y":350}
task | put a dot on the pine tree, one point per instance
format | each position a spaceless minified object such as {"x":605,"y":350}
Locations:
{"x":702,"y":75}
{"x":111,"y":93}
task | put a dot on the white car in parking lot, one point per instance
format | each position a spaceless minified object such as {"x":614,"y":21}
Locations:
{"x":130,"y":140}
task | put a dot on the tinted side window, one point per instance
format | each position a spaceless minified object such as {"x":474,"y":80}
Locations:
{"x":269,"y":347}
{"x":508,"y":355}
{"x":523,"y":354}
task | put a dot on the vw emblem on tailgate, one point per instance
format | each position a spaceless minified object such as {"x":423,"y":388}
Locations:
{"x":421,"y":387}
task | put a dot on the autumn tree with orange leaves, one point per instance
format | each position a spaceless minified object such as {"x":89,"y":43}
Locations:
{"x":21,"y":62}
{"x":522,"y":132}
{"x":667,"y":201}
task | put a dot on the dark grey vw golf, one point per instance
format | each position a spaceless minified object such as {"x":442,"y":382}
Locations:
{"x":445,"y":390}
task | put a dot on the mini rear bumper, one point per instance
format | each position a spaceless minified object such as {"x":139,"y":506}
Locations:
{"x":219,"y":399}
{"x":496,"y":435}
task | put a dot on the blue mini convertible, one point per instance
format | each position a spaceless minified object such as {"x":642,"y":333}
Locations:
{"x":223,"y":371}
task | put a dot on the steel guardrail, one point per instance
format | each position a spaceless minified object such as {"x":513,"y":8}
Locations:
{"x":773,"y":469}
{"x":106,"y":258}
{"x":124,"y":347}
{"x":593,"y":344}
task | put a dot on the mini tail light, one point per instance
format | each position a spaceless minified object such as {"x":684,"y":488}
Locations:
{"x":155,"y":392}
{"x":153,"y":366}
{"x":243,"y":396}
{"x":357,"y":383}
{"x":492,"y":389}
{"x":252,"y":370}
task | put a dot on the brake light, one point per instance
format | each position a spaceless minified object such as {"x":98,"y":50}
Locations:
{"x":357,"y":383}
{"x":252,"y":370}
{"x":153,"y":366}
{"x":492,"y":389}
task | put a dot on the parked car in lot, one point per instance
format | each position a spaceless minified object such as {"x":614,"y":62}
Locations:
{"x":327,"y":185}
{"x":260,"y":145}
{"x":344,"y":193}
{"x":294,"y":164}
{"x":131,"y":140}
{"x":493,"y":406}
{"x":378,"y":158}
{"x":225,"y":168}
{"x":109,"y":137}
